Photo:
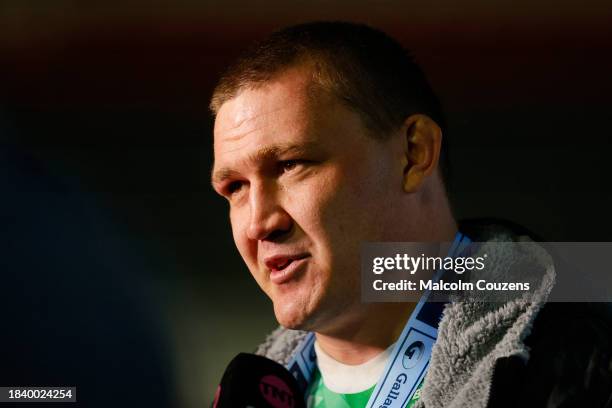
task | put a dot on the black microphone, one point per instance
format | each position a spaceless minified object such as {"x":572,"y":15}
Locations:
{"x":252,"y":381}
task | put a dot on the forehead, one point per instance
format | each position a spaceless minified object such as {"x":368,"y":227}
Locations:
{"x":284,"y":96}
{"x":283,"y":111}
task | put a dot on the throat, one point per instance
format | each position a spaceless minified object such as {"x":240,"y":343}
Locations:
{"x":371,"y":334}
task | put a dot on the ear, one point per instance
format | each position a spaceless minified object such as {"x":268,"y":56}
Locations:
{"x":422,"y":150}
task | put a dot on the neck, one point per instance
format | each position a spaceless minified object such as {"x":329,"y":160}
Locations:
{"x":361,"y":339}
{"x":370,"y":330}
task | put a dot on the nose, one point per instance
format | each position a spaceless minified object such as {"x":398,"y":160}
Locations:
{"x":268,"y":219}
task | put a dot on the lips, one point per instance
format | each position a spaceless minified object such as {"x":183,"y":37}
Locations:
{"x":280,"y":262}
{"x":284,"y":267}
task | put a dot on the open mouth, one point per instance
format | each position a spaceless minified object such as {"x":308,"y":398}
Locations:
{"x":286,"y":268}
{"x":280,"y":263}
{"x":281,"y":266}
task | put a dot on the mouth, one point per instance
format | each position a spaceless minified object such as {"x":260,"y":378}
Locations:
{"x":283,"y":268}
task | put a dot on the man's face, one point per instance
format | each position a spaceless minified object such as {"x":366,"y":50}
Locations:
{"x":306,"y":186}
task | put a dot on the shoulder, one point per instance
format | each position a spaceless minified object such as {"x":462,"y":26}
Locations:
{"x":570,"y":361}
{"x":569,"y":349}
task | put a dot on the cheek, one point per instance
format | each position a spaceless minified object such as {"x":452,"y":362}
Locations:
{"x":323,"y":210}
{"x":306,"y":207}
{"x":351,"y":208}
{"x":336,"y":201}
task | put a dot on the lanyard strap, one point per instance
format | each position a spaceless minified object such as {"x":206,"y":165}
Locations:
{"x":409,"y":359}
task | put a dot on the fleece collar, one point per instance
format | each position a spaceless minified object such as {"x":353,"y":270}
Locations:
{"x":472,"y":336}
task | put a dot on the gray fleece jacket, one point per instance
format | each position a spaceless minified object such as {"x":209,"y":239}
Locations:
{"x":472,"y":336}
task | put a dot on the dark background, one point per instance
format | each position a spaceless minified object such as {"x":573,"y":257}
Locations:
{"x":106,"y":154}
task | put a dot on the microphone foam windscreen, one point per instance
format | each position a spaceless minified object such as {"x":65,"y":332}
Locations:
{"x":252,"y":381}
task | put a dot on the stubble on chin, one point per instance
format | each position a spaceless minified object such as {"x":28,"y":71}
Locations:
{"x":300,"y":313}
{"x":292,"y":315}
{"x":323,"y":316}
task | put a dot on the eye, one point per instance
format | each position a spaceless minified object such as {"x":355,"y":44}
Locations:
{"x":233,"y":187}
{"x":290,"y":165}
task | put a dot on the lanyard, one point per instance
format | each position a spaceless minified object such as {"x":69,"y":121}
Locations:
{"x":409,"y":359}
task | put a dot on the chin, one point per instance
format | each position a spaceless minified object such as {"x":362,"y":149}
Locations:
{"x":292,"y":316}
{"x":289,"y":320}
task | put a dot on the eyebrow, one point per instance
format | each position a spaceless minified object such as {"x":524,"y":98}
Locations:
{"x":263,"y":154}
